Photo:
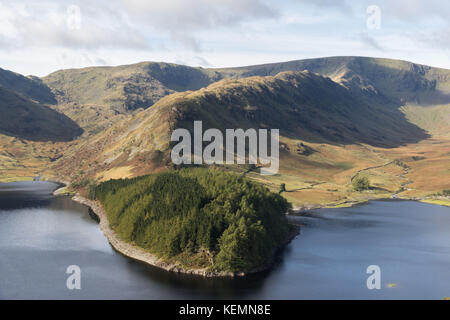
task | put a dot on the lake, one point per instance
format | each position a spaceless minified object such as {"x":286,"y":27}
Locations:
{"x":41,"y":235}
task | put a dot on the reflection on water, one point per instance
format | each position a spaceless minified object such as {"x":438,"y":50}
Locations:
{"x":17,"y":195}
{"x":41,"y":235}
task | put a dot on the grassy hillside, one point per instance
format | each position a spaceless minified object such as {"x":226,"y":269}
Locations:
{"x":140,"y":85}
{"x":435,"y":119}
{"x":23,"y":118}
{"x":30,"y":87}
{"x":397,"y":80}
{"x":363,"y":113}
{"x":93,"y":96}
{"x":125,"y":88}
{"x":303,"y":105}
{"x":97,"y":97}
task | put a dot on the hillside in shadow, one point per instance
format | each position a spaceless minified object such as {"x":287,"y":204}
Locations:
{"x":26,"y":119}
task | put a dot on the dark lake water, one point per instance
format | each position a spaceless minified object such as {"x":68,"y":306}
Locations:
{"x":41,"y":235}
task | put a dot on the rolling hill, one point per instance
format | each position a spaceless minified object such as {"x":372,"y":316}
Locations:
{"x":337,"y":116}
{"x":303,"y":105}
{"x":30,"y":87}
{"x":140,"y":85}
{"x":399,"y":81}
{"x":125,"y":88}
{"x":26,"y":119}
{"x":94,"y":96}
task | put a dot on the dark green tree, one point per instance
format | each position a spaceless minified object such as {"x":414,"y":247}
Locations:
{"x":361,"y":183}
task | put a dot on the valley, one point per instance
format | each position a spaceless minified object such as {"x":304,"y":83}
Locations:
{"x":387,"y":120}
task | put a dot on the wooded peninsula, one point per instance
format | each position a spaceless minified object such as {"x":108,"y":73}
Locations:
{"x":199,"y":218}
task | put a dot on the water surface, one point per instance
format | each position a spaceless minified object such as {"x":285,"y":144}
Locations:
{"x":41,"y":235}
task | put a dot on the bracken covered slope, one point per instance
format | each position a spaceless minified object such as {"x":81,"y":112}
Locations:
{"x":302,"y":105}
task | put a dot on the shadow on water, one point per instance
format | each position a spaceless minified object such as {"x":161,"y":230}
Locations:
{"x":198,"y":287}
{"x":19,"y":195}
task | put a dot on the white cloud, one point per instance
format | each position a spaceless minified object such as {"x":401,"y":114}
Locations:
{"x":416,"y":11}
{"x":45,"y":24}
{"x":369,"y":40}
{"x":35,"y":38}
{"x":340,"y":5}
{"x":181,"y":19}
{"x":184,"y":16}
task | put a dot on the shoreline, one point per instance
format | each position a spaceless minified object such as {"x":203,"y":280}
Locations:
{"x":136,"y":253}
{"x":349,"y":204}
{"x":62,"y":187}
{"x":438,"y":201}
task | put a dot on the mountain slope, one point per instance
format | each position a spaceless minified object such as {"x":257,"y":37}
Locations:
{"x":302,"y":105}
{"x":357,"y":113}
{"x":399,"y":81}
{"x":127,"y":87}
{"x":24,"y":118}
{"x":93,"y":96}
{"x":97,"y":97}
{"x":30,"y":87}
{"x":140,"y":85}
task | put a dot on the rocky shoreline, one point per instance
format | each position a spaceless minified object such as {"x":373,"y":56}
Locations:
{"x":134,"y":252}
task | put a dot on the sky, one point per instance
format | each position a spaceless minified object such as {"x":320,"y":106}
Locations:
{"x":40,"y":37}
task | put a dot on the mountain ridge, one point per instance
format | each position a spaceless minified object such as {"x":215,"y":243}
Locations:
{"x":30,"y":87}
{"x":337,"y":116}
{"x":124,"y":89}
{"x":303,"y":105}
